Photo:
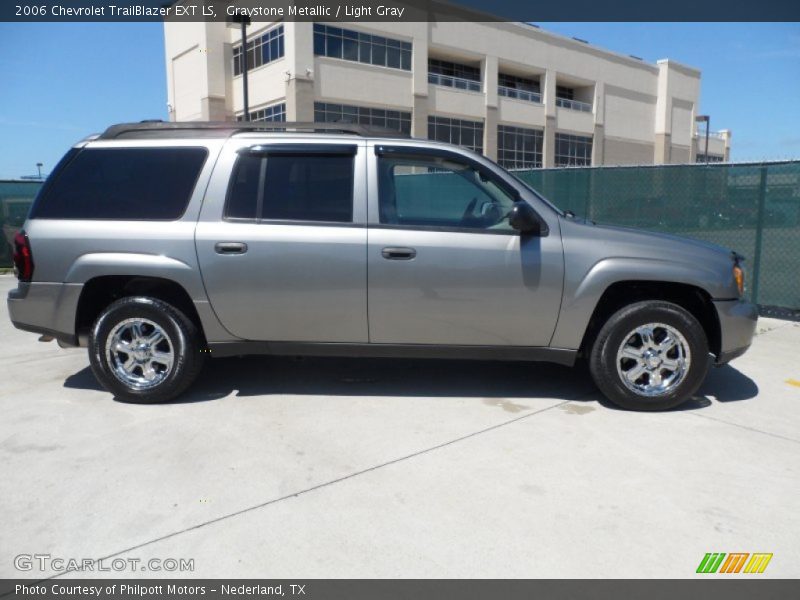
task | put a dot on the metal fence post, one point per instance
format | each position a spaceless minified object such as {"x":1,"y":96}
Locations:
{"x":762,"y":196}
{"x":589,"y":204}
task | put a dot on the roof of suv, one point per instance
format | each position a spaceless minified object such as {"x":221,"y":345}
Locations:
{"x":225,"y":129}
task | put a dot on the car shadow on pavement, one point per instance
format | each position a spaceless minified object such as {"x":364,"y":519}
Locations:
{"x":265,"y":376}
{"x":728,"y":384}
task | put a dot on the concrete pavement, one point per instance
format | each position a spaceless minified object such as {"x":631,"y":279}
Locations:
{"x":302,"y":468}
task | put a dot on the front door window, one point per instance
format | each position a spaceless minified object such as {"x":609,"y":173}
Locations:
{"x":433,"y":192}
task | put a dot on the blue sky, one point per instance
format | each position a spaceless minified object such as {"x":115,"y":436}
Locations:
{"x":61,"y":82}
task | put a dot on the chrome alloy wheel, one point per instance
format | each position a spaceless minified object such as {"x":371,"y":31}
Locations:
{"x":653,"y":359}
{"x":140,"y":353}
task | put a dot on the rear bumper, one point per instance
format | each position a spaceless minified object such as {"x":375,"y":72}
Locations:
{"x":46,"y":308}
{"x":737,"y":321}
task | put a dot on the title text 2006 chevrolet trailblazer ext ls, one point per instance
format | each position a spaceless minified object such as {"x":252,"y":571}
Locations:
{"x":154,"y":243}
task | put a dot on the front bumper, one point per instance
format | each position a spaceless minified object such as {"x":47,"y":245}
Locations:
{"x":737,"y":323}
{"x":46,"y":308}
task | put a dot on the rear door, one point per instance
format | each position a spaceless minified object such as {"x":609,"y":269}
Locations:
{"x":282,"y":240}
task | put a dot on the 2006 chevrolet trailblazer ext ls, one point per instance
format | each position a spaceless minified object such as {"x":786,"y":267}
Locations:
{"x":159,"y":244}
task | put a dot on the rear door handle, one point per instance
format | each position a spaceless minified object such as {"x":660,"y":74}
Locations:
{"x":230,"y":247}
{"x":398,"y":253}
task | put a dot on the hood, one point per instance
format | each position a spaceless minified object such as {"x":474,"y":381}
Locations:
{"x":639,"y":254}
{"x":658,"y":239}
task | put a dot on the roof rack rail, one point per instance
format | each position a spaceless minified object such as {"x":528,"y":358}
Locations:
{"x":160,"y":129}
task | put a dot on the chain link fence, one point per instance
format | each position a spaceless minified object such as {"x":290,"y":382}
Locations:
{"x":753,"y":208}
{"x":15,"y":200}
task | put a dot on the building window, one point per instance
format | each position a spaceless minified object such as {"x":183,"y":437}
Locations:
{"x":276,"y":112}
{"x":518,"y":83}
{"x":573,"y":150}
{"x":565,"y":93}
{"x":519,"y":148}
{"x":565,"y":98}
{"x":346,"y":44}
{"x":325,"y":112}
{"x":468,"y":134}
{"x":455,"y":75}
{"x":520,"y":88}
{"x":701,"y":158}
{"x":260,"y":51}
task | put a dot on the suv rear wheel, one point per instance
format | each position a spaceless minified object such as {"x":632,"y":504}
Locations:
{"x":144,"y":350}
{"x":650,"y":355}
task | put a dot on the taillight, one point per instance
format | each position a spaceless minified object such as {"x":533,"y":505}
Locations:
{"x":23,"y":257}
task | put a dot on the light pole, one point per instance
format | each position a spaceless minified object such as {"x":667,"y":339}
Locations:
{"x":244,"y":21}
{"x":707,"y":120}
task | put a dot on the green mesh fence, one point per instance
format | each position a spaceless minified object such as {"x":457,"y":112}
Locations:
{"x":15,"y":200}
{"x":751,"y":208}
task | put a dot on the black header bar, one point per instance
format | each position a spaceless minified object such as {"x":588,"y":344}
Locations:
{"x":709,"y":588}
{"x":398,"y":10}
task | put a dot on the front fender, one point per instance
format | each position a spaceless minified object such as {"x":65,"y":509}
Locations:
{"x":583,"y":291}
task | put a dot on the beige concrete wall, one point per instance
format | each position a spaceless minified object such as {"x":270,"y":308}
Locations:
{"x":335,"y":80}
{"x":574,"y":121}
{"x":629,"y":114}
{"x":676,"y":108}
{"x":267,"y":85}
{"x":187,"y":88}
{"x":198,"y":70}
{"x":447,"y":101}
{"x":520,"y":112}
{"x":682,"y":122}
{"x":680,"y":154}
{"x":638,"y":109}
{"x":627,"y":152}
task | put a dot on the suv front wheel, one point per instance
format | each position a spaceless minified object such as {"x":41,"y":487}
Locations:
{"x":145,"y":350}
{"x":650,"y":355}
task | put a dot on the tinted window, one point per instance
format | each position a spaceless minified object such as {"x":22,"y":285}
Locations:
{"x":295,"y":187}
{"x":123,"y":184}
{"x":243,"y":191}
{"x":433,"y":192}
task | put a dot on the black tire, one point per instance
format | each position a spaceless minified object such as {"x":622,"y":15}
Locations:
{"x":603,"y":356}
{"x":183,"y":339}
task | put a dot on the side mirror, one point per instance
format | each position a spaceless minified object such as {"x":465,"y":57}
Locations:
{"x":524,"y":219}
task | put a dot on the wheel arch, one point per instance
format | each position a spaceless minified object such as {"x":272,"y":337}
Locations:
{"x":100,"y":291}
{"x":692,"y":298}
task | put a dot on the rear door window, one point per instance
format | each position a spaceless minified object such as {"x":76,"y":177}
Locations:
{"x":123,"y":184}
{"x":291,"y":184}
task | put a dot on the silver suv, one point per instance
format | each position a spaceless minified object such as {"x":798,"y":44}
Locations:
{"x":158,"y":245}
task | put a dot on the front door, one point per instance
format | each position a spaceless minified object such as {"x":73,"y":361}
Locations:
{"x":444,"y":265}
{"x":287,"y":261}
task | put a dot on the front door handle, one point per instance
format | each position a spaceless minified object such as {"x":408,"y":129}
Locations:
{"x":230,"y":247}
{"x":398,"y":253}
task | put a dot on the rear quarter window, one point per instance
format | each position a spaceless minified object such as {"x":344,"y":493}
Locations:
{"x":149,"y":184}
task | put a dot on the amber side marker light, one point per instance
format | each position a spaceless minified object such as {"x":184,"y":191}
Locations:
{"x":738,"y":275}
